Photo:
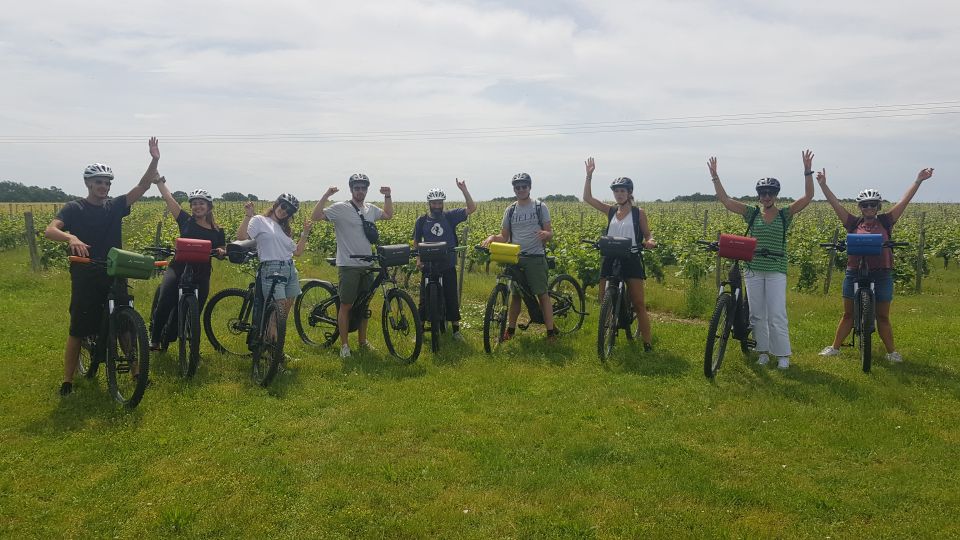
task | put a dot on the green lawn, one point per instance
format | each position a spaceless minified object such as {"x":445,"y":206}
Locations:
{"x":539,"y":442}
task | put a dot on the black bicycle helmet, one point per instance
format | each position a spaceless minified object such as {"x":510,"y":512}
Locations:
{"x":622,"y":182}
{"x":521,"y":178}
{"x":768,"y":183}
{"x":289,"y":199}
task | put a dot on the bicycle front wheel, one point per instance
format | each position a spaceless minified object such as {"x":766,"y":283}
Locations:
{"x":718,"y":334}
{"x":865,"y":301}
{"x":315,"y":313}
{"x":128,"y":356}
{"x":226,"y":320}
{"x":568,"y":303}
{"x":402,"y":329}
{"x":268,"y":351}
{"x":495,"y":318}
{"x":607,"y":325}
{"x":189,"y":335}
{"x":88,"y":362}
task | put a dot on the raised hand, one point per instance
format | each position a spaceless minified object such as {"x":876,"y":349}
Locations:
{"x":649,"y":244}
{"x":154,"y":148}
{"x":924,"y":174}
{"x":385,"y":190}
{"x":307,"y":226}
{"x":159,"y":180}
{"x":330,"y":191}
{"x":591,"y":166}
{"x":807,"y":160}
{"x":248,"y":208}
{"x":821,"y":177}
{"x":712,"y":167}
{"x":461,"y":184}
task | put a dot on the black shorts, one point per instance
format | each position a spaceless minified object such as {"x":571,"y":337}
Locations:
{"x":89,"y":286}
{"x":630,"y":267}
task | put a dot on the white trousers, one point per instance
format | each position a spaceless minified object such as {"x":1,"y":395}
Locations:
{"x":767,"y":295}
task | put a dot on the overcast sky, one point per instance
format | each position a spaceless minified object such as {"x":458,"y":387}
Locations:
{"x":263,"y":97}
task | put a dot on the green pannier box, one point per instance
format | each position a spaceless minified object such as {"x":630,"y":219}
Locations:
{"x":127,"y":264}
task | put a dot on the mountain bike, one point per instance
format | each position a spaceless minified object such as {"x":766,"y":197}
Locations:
{"x":565,"y":293}
{"x":616,"y":308}
{"x":121,"y":342}
{"x":864,"y":300}
{"x":228,"y":315}
{"x":315,"y":311}
{"x":183,"y":322}
{"x":731,"y":315}
{"x":432,"y":303}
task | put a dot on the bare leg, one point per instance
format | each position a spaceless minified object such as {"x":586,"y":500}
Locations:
{"x":343,"y":323}
{"x":546,"y":306}
{"x":71,"y":358}
{"x":846,"y":323}
{"x":514,"y":312}
{"x":884,"y":328}
{"x":636,"y":288}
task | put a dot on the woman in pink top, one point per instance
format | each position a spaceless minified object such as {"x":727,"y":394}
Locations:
{"x":870,"y":221}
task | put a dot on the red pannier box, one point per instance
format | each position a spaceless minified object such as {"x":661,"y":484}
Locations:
{"x":864,"y":244}
{"x":740,"y":248}
{"x":192,"y":250}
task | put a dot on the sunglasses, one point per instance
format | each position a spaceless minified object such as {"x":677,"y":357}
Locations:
{"x":288,"y":208}
{"x":870,"y":205}
{"x":359,"y":188}
{"x":767,"y":193}
{"x":521,"y":187}
{"x":101,"y":182}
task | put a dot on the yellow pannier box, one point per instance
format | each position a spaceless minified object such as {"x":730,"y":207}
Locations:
{"x":127,"y":264}
{"x":505,"y":253}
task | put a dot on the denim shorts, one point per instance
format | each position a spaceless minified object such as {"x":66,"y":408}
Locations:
{"x":290,"y":289}
{"x":882,"y":284}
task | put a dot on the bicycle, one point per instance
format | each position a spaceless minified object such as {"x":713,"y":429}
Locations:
{"x":565,"y":293}
{"x":315,"y":311}
{"x":183,"y":322}
{"x":864,"y":300}
{"x":433,"y":309}
{"x":616,"y":308}
{"x":731,"y":315}
{"x":253,"y":320}
{"x":122,"y":340}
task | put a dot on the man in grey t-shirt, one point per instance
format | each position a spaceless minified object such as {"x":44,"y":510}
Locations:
{"x":527,"y":222}
{"x":351,"y":240}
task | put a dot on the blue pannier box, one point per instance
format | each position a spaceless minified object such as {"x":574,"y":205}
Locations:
{"x":864,"y":244}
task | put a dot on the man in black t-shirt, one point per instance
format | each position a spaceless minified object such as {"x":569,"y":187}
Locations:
{"x":91,"y":226}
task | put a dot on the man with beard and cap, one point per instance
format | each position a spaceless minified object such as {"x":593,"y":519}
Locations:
{"x":351,"y":240}
{"x":439,"y":225}
{"x":766,"y":277}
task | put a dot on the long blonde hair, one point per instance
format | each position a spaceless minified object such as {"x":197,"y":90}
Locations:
{"x":284,"y":223}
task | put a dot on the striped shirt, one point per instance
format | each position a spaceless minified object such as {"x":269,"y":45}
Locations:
{"x":770,"y":236}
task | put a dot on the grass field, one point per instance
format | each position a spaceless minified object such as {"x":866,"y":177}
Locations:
{"x":540,"y":442}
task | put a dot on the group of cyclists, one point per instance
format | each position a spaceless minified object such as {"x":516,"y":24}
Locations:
{"x":91,"y":226}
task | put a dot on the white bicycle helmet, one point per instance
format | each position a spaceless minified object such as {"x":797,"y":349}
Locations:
{"x":436,"y":194}
{"x":200,"y":194}
{"x":97,"y":170}
{"x":768,"y":183}
{"x":622,"y":182}
{"x":289,"y":199}
{"x":358,"y":179}
{"x":869,"y":194}
{"x":521,"y":178}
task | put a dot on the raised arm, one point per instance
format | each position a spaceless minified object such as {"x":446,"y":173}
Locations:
{"x":387,"y":202}
{"x":149,"y":177}
{"x":802,"y":202}
{"x":648,"y":241}
{"x":304,"y":236}
{"x":588,"y":189}
{"x":471,"y":206}
{"x":831,"y":198}
{"x":322,"y":203}
{"x":247,"y":214}
{"x":898,"y":208}
{"x":55,"y":232}
{"x":172,"y":205}
{"x":736,"y":207}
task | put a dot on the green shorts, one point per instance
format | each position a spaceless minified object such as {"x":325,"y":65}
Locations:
{"x":535,"y":270}
{"x":353,"y":281}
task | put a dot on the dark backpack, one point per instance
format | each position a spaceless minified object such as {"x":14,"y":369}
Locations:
{"x":783,"y":218}
{"x":511,"y":209}
{"x":885,"y":222}
{"x":635,"y":212}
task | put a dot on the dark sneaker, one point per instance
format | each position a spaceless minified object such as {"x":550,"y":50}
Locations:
{"x":647,"y":347}
{"x":66,"y":389}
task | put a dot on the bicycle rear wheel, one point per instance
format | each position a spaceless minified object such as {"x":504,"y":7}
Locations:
{"x":226,"y":321}
{"x":865,"y":324}
{"x":568,"y":303}
{"x":402,"y":329}
{"x":717,"y":335}
{"x":315,"y":313}
{"x":128,"y":356}
{"x":495,"y":318}
{"x":607,"y":325}
{"x":189,"y":335}
{"x":268,"y":351}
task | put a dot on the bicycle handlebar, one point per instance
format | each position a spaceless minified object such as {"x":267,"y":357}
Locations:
{"x":841,"y":245}
{"x":761,"y":252}
{"x":595,"y":244}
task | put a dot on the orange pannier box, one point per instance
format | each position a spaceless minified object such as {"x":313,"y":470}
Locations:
{"x":192,"y":250}
{"x":735,"y":247}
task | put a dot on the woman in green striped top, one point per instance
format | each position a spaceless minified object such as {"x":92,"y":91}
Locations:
{"x":766,"y":277}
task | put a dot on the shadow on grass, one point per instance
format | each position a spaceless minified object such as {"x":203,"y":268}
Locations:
{"x":452,"y":352}
{"x":920,"y":374}
{"x":90,"y":401}
{"x":536,"y":349}
{"x":807,"y":376}
{"x":630,"y":357}
{"x":381,"y":364}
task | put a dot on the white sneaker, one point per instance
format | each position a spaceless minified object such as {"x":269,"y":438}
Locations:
{"x":829,"y":351}
{"x":458,"y":336}
{"x":763,"y":360}
{"x":345,"y":351}
{"x":894,"y":357}
{"x":783,"y":362}
{"x":365,"y":346}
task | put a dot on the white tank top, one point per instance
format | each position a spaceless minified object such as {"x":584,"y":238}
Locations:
{"x":623,"y":228}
